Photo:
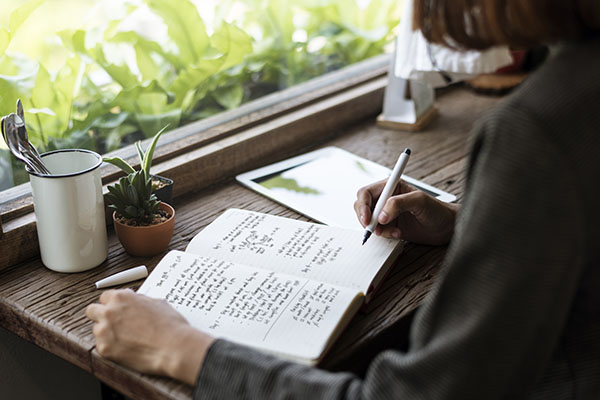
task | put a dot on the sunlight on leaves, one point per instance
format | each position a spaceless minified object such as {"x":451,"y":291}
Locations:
{"x":131,"y":67}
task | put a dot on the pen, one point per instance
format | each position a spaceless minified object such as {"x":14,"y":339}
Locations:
{"x":129,"y":275}
{"x":387,"y":191}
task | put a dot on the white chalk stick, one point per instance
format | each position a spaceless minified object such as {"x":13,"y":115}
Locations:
{"x":126,"y":276}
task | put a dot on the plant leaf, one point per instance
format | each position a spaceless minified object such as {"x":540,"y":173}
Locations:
{"x":132,"y":195}
{"x":43,"y":95}
{"x":17,"y":85}
{"x":148,"y":46}
{"x":18,"y":16}
{"x":111,"y":121}
{"x":114,"y":190}
{"x":233,"y":43}
{"x":189,"y":79}
{"x":74,"y":40}
{"x":128,"y":99}
{"x":114,"y":136}
{"x":229,"y":97}
{"x":185,"y":26}
{"x":131,"y":212}
{"x":65,"y":85}
{"x":4,"y":40}
{"x":120,"y":163}
{"x":150,"y":123}
{"x":120,"y":73}
{"x":145,"y":63}
{"x":150,"y":153}
{"x":138,"y":147}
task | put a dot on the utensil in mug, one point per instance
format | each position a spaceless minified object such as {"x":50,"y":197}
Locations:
{"x":10,"y":132}
{"x":24,"y":139}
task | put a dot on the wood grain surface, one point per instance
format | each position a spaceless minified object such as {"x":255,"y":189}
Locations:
{"x":47,"y":308}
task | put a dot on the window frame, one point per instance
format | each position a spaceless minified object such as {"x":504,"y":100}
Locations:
{"x":268,"y":129}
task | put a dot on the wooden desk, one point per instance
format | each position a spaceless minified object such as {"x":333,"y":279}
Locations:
{"x":47,"y":308}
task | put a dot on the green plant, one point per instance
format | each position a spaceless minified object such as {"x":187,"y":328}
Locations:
{"x":144,"y":156}
{"x":131,"y":197}
{"x":168,"y":78}
{"x":107,"y":82}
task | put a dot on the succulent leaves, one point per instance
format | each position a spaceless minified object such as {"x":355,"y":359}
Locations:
{"x":132,"y":198}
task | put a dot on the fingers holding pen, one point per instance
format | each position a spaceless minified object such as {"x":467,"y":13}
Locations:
{"x":365,"y":200}
{"x":388,"y":220}
{"x":411,"y":202}
{"x":368,"y":195}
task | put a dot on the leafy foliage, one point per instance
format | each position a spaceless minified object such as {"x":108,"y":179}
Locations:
{"x":16,"y":19}
{"x":118,"y":84}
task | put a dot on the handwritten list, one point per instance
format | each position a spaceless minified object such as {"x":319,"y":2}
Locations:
{"x":252,"y":306}
{"x":294,"y":247}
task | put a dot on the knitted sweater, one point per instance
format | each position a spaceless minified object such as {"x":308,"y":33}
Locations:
{"x":515,"y":312}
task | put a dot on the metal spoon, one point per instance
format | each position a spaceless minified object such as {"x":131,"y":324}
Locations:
{"x":20,"y":111}
{"x":40,"y":167}
{"x":24,"y":139}
{"x":15,"y":144}
{"x":2,"y":127}
{"x":28,"y":150}
{"x":10,"y":132}
{"x":25,"y":153}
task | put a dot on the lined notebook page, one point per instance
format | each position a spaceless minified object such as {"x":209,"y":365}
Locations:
{"x":307,"y":250}
{"x":276,"y":312}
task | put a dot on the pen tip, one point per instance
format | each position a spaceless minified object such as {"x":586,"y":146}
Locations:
{"x":367,"y":235}
{"x":407,"y":151}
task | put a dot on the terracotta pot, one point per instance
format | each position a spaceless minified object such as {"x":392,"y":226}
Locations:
{"x":146,"y":241}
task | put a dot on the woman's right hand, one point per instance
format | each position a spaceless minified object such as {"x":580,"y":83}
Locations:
{"x":409,"y":214}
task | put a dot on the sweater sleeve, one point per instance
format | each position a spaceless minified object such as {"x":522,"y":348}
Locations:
{"x":498,"y":309}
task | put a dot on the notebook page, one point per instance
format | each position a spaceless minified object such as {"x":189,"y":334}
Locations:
{"x":259,"y":308}
{"x":314,"y":251}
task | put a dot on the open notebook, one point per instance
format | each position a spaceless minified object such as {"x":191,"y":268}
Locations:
{"x":281,"y":285}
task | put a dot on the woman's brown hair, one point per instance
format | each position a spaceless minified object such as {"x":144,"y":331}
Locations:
{"x":479,"y":24}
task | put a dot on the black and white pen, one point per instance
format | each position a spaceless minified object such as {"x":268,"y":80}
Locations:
{"x":387,"y":192}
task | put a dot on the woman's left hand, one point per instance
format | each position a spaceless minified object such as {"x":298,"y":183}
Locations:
{"x":148,"y":335}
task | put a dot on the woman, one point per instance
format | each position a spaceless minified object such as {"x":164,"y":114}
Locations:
{"x":516,"y":311}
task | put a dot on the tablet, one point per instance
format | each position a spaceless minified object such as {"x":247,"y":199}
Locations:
{"x":322,"y":184}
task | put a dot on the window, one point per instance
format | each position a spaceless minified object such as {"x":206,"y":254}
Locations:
{"x":102,"y":74}
{"x":221,"y":112}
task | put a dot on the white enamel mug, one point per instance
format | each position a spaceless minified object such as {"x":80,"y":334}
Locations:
{"x":69,"y":209}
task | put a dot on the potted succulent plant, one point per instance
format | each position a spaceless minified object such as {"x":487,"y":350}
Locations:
{"x":162,"y":187}
{"x":144,"y":224}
